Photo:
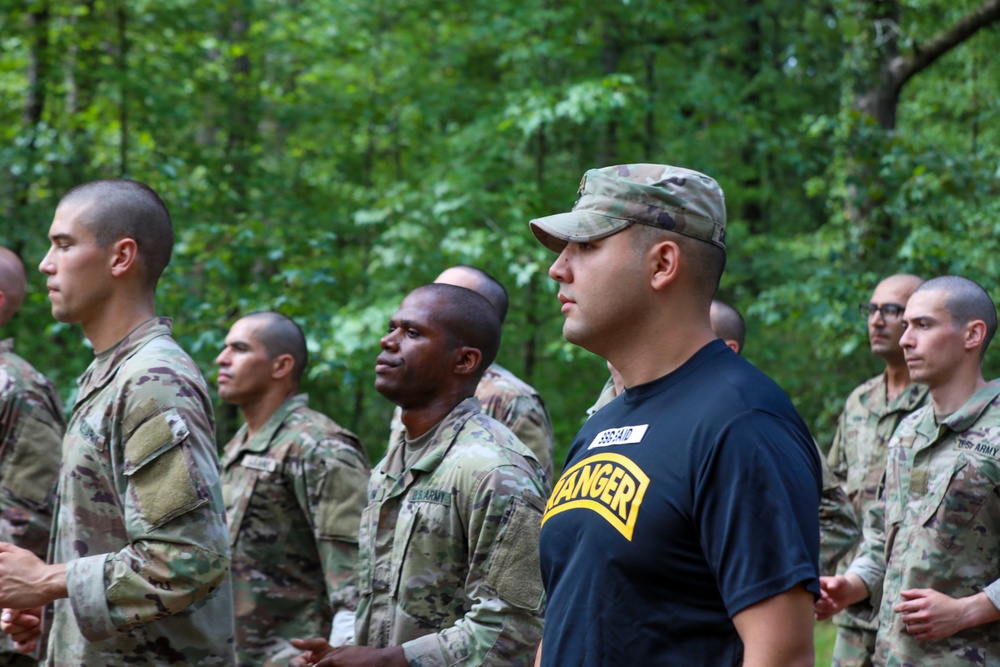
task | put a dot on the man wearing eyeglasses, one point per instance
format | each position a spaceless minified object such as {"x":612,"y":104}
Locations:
{"x":858,"y":453}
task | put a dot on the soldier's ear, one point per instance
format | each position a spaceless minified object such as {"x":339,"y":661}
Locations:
{"x":467,"y":360}
{"x":975,"y":334}
{"x":124,"y":256}
{"x":665,"y":258}
{"x":282,"y":366}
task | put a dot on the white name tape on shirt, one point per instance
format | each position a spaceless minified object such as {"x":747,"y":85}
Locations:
{"x":623,"y":435}
{"x":260,"y":463}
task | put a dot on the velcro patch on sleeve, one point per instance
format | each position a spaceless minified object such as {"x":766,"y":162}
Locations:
{"x":156,"y":434}
{"x":164,"y":488}
{"x":516,"y":572}
{"x":140,"y":413}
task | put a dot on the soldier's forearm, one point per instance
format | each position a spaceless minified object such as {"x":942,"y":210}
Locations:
{"x":978,"y":609}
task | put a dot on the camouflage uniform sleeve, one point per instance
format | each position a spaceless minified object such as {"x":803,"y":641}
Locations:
{"x":837,"y":458}
{"x":838,"y":525}
{"x":870,"y":561}
{"x":504,"y":624}
{"x":31,"y":431}
{"x":332,"y":494}
{"x":534,"y":428}
{"x":168,"y":484}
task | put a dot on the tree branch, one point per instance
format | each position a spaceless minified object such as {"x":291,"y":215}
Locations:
{"x":903,"y":68}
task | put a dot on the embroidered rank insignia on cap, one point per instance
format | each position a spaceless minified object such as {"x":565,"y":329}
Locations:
{"x":259,"y":463}
{"x":622,"y":435}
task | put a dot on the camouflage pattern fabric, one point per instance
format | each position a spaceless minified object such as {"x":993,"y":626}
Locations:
{"x":854,"y":647}
{"x":857,"y":460}
{"x":607,"y":395}
{"x":294,"y":495}
{"x":515,"y":404}
{"x":839,"y":528}
{"x":937,"y":527}
{"x":31,"y":432}
{"x":139,"y":518}
{"x":449,"y":563}
{"x":612,"y":198}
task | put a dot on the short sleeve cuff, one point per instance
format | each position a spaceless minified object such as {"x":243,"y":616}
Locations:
{"x":993,"y":593}
{"x":87,"y":596}
{"x":873,"y":576}
{"x":424,"y":651}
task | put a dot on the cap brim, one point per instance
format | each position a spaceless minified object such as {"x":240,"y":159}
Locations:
{"x":555,"y":231}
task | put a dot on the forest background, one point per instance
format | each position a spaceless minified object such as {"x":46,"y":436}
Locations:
{"x":323,"y":158}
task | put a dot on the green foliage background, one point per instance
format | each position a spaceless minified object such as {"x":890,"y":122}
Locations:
{"x":323,"y":158}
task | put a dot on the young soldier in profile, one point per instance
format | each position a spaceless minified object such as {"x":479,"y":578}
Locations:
{"x":449,"y":541}
{"x":294,"y":483}
{"x":140,"y":555}
{"x":929,"y":565}
{"x":700,"y":447}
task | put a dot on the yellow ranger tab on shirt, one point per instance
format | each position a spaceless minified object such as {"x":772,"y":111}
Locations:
{"x":610,"y":484}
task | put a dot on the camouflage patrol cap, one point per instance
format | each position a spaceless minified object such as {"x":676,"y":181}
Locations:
{"x":612,"y":198}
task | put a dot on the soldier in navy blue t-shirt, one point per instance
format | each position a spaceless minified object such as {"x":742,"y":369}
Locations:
{"x":683,"y":530}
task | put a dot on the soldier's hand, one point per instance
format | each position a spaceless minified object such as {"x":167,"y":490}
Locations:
{"x":837,"y":593}
{"x":928,"y":614}
{"x":26,"y":581}
{"x":24,"y":626}
{"x":364,"y":656}
{"x":314,"y":649}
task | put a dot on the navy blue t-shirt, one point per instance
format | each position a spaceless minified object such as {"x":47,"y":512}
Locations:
{"x":682,"y":502}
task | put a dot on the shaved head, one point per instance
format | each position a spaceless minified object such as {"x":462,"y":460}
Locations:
{"x":966,"y":301}
{"x":281,"y":335}
{"x":728,"y":324}
{"x":11,"y":284}
{"x":477,"y":280}
{"x":468,"y":317}
{"x":120,"y":208}
{"x":904,"y":283}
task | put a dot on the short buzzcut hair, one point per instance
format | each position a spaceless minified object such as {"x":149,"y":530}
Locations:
{"x":706,"y":261}
{"x":966,"y":301}
{"x":12,"y":284}
{"x":468,"y":318}
{"x":279,"y":335}
{"x":491,"y":288}
{"x":122,"y":208}
{"x":728,"y":323}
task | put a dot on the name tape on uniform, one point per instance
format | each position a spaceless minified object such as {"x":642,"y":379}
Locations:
{"x":622,"y":435}
{"x":259,"y":463}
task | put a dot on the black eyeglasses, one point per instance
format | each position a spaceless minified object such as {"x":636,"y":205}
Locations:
{"x":890,"y":311}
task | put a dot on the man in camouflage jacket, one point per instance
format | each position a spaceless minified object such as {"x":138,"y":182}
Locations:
{"x":857,"y":455}
{"x":449,"y":569}
{"x":294,"y":483}
{"x":31,"y":431}
{"x":502,"y":395}
{"x":929,"y":565}
{"x":139,"y":552}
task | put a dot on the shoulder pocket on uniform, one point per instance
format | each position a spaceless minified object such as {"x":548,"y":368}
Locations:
{"x":160,"y":469}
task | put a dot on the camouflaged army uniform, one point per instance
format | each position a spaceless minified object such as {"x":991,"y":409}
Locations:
{"x":139,"y":519}
{"x":839,"y":526}
{"x":937,"y":527}
{"x":515,"y":404}
{"x":294,"y":494}
{"x":31,"y":432}
{"x":449,"y":547}
{"x":857,"y":459}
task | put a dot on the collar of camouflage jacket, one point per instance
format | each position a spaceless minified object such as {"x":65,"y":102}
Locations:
{"x":105,"y":365}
